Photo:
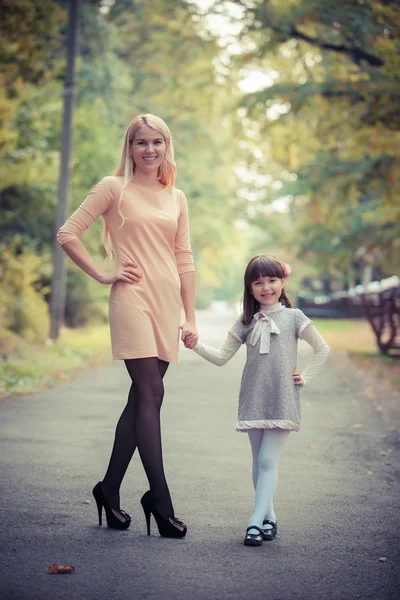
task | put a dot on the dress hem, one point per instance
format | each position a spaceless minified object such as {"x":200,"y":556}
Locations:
{"x":164,"y":358}
{"x":244,"y":426}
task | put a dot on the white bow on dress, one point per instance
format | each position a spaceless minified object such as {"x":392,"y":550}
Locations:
{"x":264,"y":327}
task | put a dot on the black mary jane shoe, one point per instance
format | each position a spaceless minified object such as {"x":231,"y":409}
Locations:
{"x":269,"y":533}
{"x":253,"y":539}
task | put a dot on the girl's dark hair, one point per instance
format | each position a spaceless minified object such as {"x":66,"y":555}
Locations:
{"x":261,"y":266}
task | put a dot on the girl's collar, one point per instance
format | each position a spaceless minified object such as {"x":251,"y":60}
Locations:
{"x":273,"y":308}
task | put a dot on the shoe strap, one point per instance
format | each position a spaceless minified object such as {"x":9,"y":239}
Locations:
{"x":266,"y":522}
{"x":253,"y":527}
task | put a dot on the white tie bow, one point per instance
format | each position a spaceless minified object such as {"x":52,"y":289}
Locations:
{"x":264,"y":327}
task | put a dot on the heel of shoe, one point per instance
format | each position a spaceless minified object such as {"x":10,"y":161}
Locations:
{"x":98,"y":502}
{"x":147,"y":513}
{"x":99,"y":510}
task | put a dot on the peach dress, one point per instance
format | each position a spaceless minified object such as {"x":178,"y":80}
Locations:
{"x":145,"y":316}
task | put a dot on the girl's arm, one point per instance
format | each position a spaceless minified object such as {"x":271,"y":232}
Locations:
{"x":218,"y":356}
{"x":321,"y":351}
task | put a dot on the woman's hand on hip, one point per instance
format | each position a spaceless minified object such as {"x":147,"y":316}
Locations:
{"x":130,"y":273}
{"x":297,"y":378}
{"x":189,"y":334}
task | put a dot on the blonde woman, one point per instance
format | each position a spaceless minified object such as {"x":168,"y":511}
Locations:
{"x":146,"y":225}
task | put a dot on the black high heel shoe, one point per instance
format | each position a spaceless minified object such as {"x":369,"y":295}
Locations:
{"x":172,"y":527}
{"x":116,"y":519}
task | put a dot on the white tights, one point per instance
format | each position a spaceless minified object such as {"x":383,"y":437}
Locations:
{"x":266,"y":446}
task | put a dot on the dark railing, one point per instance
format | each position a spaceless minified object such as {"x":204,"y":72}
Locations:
{"x":379,"y":303}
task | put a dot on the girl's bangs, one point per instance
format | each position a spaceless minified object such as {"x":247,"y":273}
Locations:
{"x":264,"y":267}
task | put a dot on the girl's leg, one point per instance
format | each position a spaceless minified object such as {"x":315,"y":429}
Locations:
{"x":255,"y":437}
{"x":147,"y":377}
{"x":271,"y":447}
{"x":125,"y":443}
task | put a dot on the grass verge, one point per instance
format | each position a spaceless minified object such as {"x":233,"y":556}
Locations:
{"x":375,"y":375}
{"x":357,"y":339}
{"x":32,"y":367}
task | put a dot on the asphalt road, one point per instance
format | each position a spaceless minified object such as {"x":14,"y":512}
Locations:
{"x":337,"y":500}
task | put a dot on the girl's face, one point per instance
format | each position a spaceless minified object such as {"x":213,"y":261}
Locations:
{"x":267,"y":290}
{"x":147,"y":149}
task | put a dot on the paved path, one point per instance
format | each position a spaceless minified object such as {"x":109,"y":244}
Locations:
{"x":337,"y":498}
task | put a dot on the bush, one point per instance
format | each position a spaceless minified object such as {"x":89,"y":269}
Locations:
{"x":86,"y":300}
{"x":23,"y":309}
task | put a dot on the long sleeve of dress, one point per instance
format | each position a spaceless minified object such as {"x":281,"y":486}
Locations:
{"x":218,"y":356}
{"x":321,"y":351}
{"x":96,"y":203}
{"x":183,"y":250}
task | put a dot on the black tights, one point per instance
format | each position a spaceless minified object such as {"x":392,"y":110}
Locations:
{"x":139,"y":426}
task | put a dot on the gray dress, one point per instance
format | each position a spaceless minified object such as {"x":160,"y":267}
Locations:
{"x":268,"y":397}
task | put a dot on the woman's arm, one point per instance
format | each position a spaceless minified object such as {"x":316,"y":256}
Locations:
{"x":218,"y":356}
{"x":321,"y":351}
{"x":96,"y":204}
{"x":185,"y":267}
{"x":188,"y":294}
{"x":81,"y":257}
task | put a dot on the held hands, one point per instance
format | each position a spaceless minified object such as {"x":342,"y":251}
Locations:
{"x":130,"y":273}
{"x":297,"y":378}
{"x":189,"y":334}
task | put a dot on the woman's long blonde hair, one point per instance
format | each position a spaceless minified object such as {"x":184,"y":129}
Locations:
{"x":126,"y":168}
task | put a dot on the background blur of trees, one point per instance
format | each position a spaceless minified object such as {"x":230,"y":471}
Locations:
{"x":285,"y":117}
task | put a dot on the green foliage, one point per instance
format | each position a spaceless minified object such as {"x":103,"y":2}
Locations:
{"x":327,"y":127}
{"x":23,"y":309}
{"x":86,"y":300}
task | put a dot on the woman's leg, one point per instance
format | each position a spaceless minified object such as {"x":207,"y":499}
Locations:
{"x":147,"y":377}
{"x":270,"y":449}
{"x":125,"y":443}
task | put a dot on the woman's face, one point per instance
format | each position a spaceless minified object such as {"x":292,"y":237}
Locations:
{"x":147,"y":149}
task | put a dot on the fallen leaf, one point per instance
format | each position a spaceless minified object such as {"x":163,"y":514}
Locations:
{"x":329,"y":427}
{"x":384,"y":453}
{"x":383,"y":559}
{"x":55,"y":568}
{"x":312,"y":446}
{"x":86,"y":502}
{"x":369,"y":473}
{"x":354,"y":401}
{"x":358,"y":426}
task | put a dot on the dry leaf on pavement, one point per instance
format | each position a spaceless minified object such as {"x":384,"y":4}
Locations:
{"x":55,"y":568}
{"x":383,"y":559}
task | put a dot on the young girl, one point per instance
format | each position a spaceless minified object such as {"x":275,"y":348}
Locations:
{"x":269,"y":400}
